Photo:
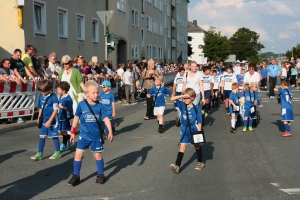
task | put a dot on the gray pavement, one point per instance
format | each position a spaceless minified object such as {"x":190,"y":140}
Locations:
{"x":252,"y":165}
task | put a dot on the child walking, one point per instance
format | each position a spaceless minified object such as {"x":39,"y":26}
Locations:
{"x":249,"y":107}
{"x":215,"y":88}
{"x":65,"y":113}
{"x":195,"y":117}
{"x":234,"y":106}
{"x":158,"y":91}
{"x":107,"y":99}
{"x":90,"y":112}
{"x":208,"y":90}
{"x":287,"y":114}
{"x":48,"y":109}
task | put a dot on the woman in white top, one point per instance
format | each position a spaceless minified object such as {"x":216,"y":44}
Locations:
{"x":120,"y":73}
{"x":52,"y":70}
{"x":194,"y":80}
{"x":7,"y":73}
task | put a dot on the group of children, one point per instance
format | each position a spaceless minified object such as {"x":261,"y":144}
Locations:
{"x":57,"y":117}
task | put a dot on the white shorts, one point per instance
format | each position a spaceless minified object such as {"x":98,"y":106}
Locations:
{"x":159,"y":110}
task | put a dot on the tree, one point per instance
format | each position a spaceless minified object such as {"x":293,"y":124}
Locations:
{"x":216,"y":46}
{"x":296,"y":52}
{"x":190,"y":48}
{"x":244,"y":44}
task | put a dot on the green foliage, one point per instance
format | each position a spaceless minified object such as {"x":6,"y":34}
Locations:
{"x":216,"y":46}
{"x":296,"y":52}
{"x":244,"y":44}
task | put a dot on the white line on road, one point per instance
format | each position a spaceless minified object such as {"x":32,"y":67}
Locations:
{"x":291,"y":190}
{"x":276,"y":184}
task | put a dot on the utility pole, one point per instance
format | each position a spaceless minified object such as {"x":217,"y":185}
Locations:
{"x":105,"y":38}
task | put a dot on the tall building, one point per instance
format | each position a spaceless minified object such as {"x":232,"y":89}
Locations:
{"x":146,"y":28}
{"x":197,"y":35}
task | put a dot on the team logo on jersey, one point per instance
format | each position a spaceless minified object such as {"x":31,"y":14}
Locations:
{"x":105,"y":101}
{"x":90,"y":118}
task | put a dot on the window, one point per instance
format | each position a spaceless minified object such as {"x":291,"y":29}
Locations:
{"x":154,"y":53}
{"x":135,"y":17}
{"x":80,"y":27}
{"x":165,"y":43}
{"x":149,"y":52}
{"x":149,"y":23}
{"x":62,"y":23}
{"x":161,"y":30}
{"x":160,"y":53}
{"x":169,"y":32}
{"x":39,"y":16}
{"x":169,"y":11}
{"x":150,"y":1}
{"x":134,"y":49}
{"x":165,"y":22}
{"x":161,"y":5}
{"x":95,"y":30}
{"x":143,"y":38}
{"x":169,"y":54}
{"x":173,"y":54}
{"x":121,"y":5}
{"x":154,"y":26}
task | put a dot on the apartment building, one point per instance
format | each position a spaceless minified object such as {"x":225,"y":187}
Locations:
{"x":197,"y":35}
{"x":146,"y":28}
{"x":67,"y":27}
{"x":149,"y":28}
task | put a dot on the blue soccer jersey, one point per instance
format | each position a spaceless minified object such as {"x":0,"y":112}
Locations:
{"x":106,"y":100}
{"x":52,"y":104}
{"x":160,"y":99}
{"x":286,"y":96}
{"x":89,"y":129}
{"x":66,"y":102}
{"x":234,"y":98}
{"x":240,"y":79}
{"x":250,"y":97}
{"x":194,"y":118}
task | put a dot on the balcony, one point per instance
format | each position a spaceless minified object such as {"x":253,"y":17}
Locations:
{"x":173,"y":43}
{"x":173,"y":23}
{"x":173,"y":3}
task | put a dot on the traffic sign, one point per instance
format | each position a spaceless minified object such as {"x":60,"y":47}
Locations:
{"x":102,"y":14}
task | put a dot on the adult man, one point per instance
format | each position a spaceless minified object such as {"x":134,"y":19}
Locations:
{"x":36,"y":65}
{"x":28,"y":63}
{"x":251,"y":76}
{"x":17,"y":65}
{"x":52,"y":70}
{"x":273,"y":73}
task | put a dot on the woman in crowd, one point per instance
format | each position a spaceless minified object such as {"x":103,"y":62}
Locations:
{"x":148,"y":76}
{"x":120,"y":73}
{"x":7,"y":73}
{"x":52,"y":69}
{"x":73,"y":77}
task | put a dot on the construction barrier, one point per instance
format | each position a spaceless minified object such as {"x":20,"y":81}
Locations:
{"x":22,"y":100}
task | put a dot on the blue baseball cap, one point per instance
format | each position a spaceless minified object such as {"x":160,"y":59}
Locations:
{"x":106,"y":84}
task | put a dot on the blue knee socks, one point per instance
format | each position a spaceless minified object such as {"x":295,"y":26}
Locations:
{"x":56,"y":143}
{"x":41,"y":144}
{"x":250,"y":122}
{"x":245,"y":123}
{"x":287,"y":127}
{"x":100,"y":166}
{"x":77,"y":167}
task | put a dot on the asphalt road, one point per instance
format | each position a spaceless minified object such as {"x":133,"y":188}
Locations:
{"x":252,"y":165}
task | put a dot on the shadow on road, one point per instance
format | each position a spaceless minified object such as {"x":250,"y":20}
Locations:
{"x":280,"y":125}
{"x":128,"y":128}
{"x":29,"y":187}
{"x":126,"y":160}
{"x":9,"y":155}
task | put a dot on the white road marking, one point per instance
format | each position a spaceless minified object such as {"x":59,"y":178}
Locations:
{"x":291,"y":191}
{"x":276,"y":184}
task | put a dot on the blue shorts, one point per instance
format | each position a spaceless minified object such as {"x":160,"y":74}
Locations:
{"x":178,"y":93}
{"x":207,"y":94}
{"x":83,"y":144}
{"x":287,"y":114}
{"x":185,"y":136}
{"x":236,"y":113}
{"x":227,"y":94}
{"x":62,"y":126}
{"x":247,"y":113}
{"x":51,"y":132}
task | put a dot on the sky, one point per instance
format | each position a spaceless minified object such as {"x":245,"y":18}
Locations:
{"x":273,"y":20}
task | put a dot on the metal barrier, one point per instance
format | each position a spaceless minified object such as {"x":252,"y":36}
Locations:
{"x":20,"y":101}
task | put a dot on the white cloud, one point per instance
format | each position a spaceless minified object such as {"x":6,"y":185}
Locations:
{"x":270,"y":18}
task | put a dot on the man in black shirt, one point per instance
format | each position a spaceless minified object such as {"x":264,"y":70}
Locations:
{"x":17,"y":65}
{"x":36,"y":65}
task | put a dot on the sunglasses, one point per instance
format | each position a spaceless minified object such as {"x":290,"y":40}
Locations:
{"x":66,"y":63}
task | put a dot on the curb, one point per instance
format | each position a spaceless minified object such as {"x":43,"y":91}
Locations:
{"x":17,"y":126}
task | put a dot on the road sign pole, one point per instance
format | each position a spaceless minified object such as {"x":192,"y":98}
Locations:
{"x":105,"y":39}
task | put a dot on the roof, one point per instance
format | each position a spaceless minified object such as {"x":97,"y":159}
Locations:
{"x":193,"y":27}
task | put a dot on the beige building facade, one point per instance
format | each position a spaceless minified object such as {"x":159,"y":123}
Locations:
{"x":146,"y":28}
{"x":68,"y":27}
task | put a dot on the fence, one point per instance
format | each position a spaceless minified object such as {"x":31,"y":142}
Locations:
{"x":22,"y":100}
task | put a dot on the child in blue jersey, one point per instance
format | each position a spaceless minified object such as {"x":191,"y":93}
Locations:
{"x":65,"y":113}
{"x":234,"y":106}
{"x":208,"y":89}
{"x":215,"y":80}
{"x":227,"y":81}
{"x":287,"y":114}
{"x":240,"y":77}
{"x":107,"y":99}
{"x":264,"y":76}
{"x":50,"y":120}
{"x":89,"y":135}
{"x":159,"y":91}
{"x":249,"y":106}
{"x":195,"y":118}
